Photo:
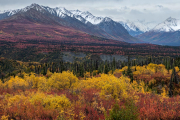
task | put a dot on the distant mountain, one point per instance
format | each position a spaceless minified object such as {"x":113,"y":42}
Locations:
{"x":165,"y":33}
{"x":82,"y":21}
{"x":131,"y":28}
{"x":137,"y":27}
{"x":169,"y":25}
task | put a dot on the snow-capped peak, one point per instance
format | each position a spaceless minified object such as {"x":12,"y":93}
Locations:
{"x":128,"y":25}
{"x":170,"y":19}
{"x":88,"y":16}
{"x":62,"y":11}
{"x":77,"y":12}
{"x":169,"y":25}
{"x":107,"y":19}
{"x":34,"y":6}
{"x":87,"y":13}
{"x":12,"y":12}
{"x":135,"y":26}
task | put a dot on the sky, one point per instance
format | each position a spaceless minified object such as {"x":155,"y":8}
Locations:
{"x":145,"y":10}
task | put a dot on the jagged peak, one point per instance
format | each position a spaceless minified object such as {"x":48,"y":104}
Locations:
{"x":107,"y":19}
{"x":61,"y":8}
{"x":87,"y":12}
{"x":34,"y":4}
{"x":76,"y":10}
{"x":64,"y":10}
{"x":170,"y":19}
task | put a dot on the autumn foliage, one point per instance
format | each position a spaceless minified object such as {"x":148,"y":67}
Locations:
{"x":110,"y":96}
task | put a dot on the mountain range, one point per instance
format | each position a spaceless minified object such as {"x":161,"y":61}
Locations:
{"x":80,"y":21}
{"x":21,"y":22}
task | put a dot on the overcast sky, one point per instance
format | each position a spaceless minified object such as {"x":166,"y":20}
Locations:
{"x":148,"y":10}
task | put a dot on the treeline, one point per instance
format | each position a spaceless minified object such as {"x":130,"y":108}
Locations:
{"x":99,"y":66}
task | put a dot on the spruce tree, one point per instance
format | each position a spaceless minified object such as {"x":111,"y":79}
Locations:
{"x":129,"y":72}
{"x":174,"y":80}
{"x":106,"y":69}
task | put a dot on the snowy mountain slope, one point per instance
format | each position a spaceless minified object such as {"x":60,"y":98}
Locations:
{"x":88,"y":16}
{"x":137,"y":27}
{"x":169,"y":25}
{"x":131,"y":28}
{"x":63,"y":13}
{"x":142,"y":26}
{"x":8,"y":13}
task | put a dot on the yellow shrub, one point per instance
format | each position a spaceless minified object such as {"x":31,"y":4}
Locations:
{"x":87,"y":75}
{"x":164,"y":93}
{"x":16,"y":83}
{"x":177,"y":69}
{"x":15,"y":99}
{"x":135,"y":85}
{"x":142,"y":86}
{"x":108,"y":84}
{"x":36,"y":81}
{"x":50,"y":101}
{"x":4,"y":117}
{"x":62,"y":80}
{"x":117,"y":71}
{"x":124,"y":68}
{"x":37,"y":97}
{"x":150,"y":69}
{"x":42,"y":84}
{"x":49,"y":73}
{"x":32,"y":80}
{"x":47,"y":101}
{"x":57,"y":102}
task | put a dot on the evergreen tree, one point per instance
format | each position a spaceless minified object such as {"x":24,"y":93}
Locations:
{"x":114,"y":64}
{"x":174,"y":80}
{"x":106,"y":69}
{"x":168,"y":65}
{"x":129,"y":71}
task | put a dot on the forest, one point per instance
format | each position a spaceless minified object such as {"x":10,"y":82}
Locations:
{"x":92,"y":89}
